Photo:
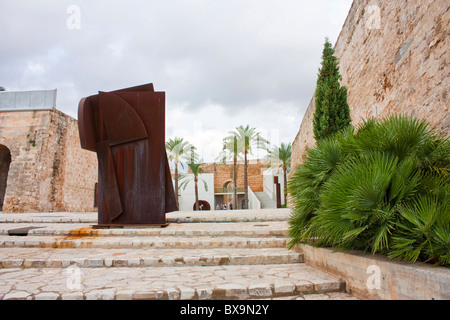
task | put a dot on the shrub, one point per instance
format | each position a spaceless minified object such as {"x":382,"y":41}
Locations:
{"x":384,"y":189}
{"x":332,"y":112}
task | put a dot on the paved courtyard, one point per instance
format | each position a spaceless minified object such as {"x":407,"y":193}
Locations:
{"x":200,"y":255}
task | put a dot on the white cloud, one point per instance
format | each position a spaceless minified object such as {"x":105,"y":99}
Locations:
{"x":221,"y":63}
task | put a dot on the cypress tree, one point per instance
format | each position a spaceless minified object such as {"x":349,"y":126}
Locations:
{"x":332,"y":112}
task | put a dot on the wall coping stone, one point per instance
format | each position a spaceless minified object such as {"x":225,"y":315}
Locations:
{"x":397,"y":280}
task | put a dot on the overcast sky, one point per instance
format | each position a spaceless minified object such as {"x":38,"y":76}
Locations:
{"x":221,"y":63}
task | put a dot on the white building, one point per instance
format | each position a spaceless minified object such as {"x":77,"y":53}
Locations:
{"x":209,"y":198}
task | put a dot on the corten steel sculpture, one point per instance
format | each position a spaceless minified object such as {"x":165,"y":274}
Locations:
{"x":126,"y":128}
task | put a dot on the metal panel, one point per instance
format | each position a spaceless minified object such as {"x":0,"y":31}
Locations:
{"x":126,"y":128}
{"x":28,"y":100}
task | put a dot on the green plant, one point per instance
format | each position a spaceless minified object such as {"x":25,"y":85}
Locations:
{"x":280,"y":157}
{"x":179,"y":150}
{"x":384,"y":189}
{"x":239,"y":144}
{"x":423,"y":232}
{"x":307,"y":181}
{"x":196,"y":171}
{"x":332,"y":112}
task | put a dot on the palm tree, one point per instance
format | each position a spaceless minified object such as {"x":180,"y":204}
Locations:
{"x":280,"y":157}
{"x":230,"y":151}
{"x":245,"y":140}
{"x":196,"y":170}
{"x":178,"y":150}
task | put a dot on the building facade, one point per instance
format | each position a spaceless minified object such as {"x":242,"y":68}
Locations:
{"x":266,"y":186}
{"x":42,"y":165}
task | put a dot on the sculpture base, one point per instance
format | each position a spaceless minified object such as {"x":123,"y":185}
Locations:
{"x":132,"y":226}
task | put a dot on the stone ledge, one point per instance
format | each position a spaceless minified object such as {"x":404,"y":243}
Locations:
{"x":398,"y":280}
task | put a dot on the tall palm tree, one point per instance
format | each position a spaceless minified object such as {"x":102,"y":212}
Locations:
{"x":247,"y":139}
{"x":178,"y":150}
{"x":196,"y":170}
{"x":280,"y":157}
{"x":231,"y":151}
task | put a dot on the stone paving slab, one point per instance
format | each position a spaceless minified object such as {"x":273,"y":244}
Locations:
{"x":172,"y":283}
{"x":107,"y":258}
{"x":230,"y":216}
{"x":208,"y":229}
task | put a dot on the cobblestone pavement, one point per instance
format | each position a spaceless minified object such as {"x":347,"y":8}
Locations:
{"x":203,"y":255}
{"x":216,"y":282}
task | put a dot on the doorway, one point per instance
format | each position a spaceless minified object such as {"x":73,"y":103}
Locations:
{"x":204,"y":205}
{"x":5,"y":161}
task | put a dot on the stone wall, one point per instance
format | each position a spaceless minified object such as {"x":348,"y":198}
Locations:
{"x":49,"y":171}
{"x":223,"y":174}
{"x":375,"y":277}
{"x":393,"y":59}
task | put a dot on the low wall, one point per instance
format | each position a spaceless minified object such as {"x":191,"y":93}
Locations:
{"x":374,"y":277}
{"x":253,"y":201}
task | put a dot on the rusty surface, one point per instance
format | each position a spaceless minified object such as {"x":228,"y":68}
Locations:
{"x":126,"y":128}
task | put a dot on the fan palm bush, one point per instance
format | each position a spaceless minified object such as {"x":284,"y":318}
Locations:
{"x":384,"y":189}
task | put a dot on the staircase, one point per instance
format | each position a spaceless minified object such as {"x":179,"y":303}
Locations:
{"x":266,"y":201}
{"x":200,"y":256}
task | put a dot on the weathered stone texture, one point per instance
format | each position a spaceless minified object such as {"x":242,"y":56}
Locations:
{"x":394,"y":60}
{"x":49,"y":171}
{"x":223,"y":174}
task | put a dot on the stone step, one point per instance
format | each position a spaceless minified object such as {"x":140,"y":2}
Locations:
{"x":171,"y":217}
{"x":105,"y":258}
{"x":200,"y":255}
{"x":170,"y":283}
{"x":54,"y":217}
{"x":166,"y":242}
{"x":237,"y":229}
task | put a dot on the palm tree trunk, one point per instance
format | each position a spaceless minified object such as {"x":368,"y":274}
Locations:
{"x":235,"y":175}
{"x":234,"y":183}
{"x":245,"y":180}
{"x":285,"y":184}
{"x":176,"y":184}
{"x":197,"y":208}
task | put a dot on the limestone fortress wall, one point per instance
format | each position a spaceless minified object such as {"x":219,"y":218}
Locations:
{"x":48,"y":170}
{"x":394,"y":59}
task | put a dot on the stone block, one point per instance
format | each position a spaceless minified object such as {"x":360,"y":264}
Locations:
{"x":46,"y":296}
{"x":72,"y":296}
{"x":173,"y":294}
{"x":204,"y":293}
{"x":260,"y":290}
{"x":124,"y":295}
{"x":283,"y":287}
{"x":144,"y":295}
{"x":186,"y":293}
{"x":322,"y":286}
{"x":101,"y":294}
{"x":304,"y":286}
{"x":233,"y":290}
{"x":18,"y":295}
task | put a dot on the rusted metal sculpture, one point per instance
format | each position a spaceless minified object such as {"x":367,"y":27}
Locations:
{"x":126,"y":128}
